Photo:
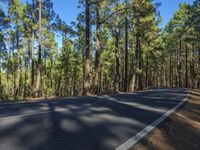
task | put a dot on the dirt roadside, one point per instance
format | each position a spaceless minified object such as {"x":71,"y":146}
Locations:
{"x":180,"y":132}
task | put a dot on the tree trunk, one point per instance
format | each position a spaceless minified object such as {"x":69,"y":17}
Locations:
{"x":140,"y":83}
{"x":87,"y":76}
{"x":66,"y":63}
{"x":18,"y":66}
{"x":170,"y":71}
{"x":147,"y":70}
{"x":179,"y":65}
{"x":32,"y":54}
{"x":8,"y":68}
{"x":198,"y":80}
{"x":29,"y":73}
{"x":186,"y":66}
{"x":25,"y":78}
{"x":134,"y":65}
{"x":98,"y":52}
{"x":39,"y":50}
{"x":1,"y":87}
{"x":117,"y":66}
{"x":126,"y":55}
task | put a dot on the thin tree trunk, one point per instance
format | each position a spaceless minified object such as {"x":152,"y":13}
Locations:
{"x":186,"y":66}
{"x":117,"y":65}
{"x":18,"y":65}
{"x":29,"y":71}
{"x":140,"y":83}
{"x":198,"y":80}
{"x":147,"y":69}
{"x":32,"y":54}
{"x":8,"y":68}
{"x":126,"y":54}
{"x":39,"y":50}
{"x":58,"y":90}
{"x":170,"y":71}
{"x":66,"y":63}
{"x":179,"y":65}
{"x":25,"y":78}
{"x":74,"y":81}
{"x":51,"y":81}
{"x":1,"y":87}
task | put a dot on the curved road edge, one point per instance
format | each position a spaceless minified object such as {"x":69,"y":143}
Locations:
{"x":136,"y":138}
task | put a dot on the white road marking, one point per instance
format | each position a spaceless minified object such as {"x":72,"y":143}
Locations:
{"x":133,"y":140}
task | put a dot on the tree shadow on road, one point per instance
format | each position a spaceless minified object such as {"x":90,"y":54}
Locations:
{"x":81,"y":123}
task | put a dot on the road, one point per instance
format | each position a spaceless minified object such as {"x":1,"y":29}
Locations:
{"x":83,"y":123}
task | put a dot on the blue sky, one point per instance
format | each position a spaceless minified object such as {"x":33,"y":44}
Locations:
{"x":68,"y":9}
{"x":169,"y":7}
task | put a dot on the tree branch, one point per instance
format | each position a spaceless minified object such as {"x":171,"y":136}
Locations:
{"x":98,"y":1}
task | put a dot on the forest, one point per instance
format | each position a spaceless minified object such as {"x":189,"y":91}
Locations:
{"x":114,"y":46}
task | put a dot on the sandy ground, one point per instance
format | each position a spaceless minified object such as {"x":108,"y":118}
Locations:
{"x":180,"y":132}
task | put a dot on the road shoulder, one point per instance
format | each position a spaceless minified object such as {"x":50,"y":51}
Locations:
{"x":180,"y":131}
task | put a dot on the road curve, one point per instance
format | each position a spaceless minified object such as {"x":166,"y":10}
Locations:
{"x":84,"y":123}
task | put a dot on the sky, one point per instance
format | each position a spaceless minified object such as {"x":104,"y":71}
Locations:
{"x":68,"y":9}
{"x":169,"y":7}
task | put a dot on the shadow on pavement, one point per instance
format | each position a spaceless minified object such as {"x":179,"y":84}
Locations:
{"x":81,"y":123}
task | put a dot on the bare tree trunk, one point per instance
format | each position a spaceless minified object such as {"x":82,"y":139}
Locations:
{"x":1,"y":87}
{"x":25,"y":78}
{"x":66,"y":63}
{"x":87,"y":76}
{"x":186,"y":66}
{"x":18,"y":65}
{"x":117,"y":66}
{"x":58,"y":90}
{"x":140,"y":83}
{"x":134,"y":65}
{"x":170,"y":71}
{"x":39,"y":50}
{"x":179,"y":65}
{"x":32,"y":54}
{"x":126,"y":54}
{"x":8,"y":68}
{"x":132,"y":75}
{"x":29,"y":73}
{"x":147,"y":70}
{"x":74,"y":81}
{"x":51,"y":81}
{"x":198,"y":80}
{"x":192,"y":69}
{"x":98,"y":52}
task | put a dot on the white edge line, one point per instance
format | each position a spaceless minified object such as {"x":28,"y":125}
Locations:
{"x":136,"y":138}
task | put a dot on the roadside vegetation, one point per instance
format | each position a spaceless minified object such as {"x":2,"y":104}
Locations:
{"x":114,"y":46}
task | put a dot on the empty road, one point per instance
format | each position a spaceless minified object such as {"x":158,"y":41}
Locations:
{"x":83,"y":123}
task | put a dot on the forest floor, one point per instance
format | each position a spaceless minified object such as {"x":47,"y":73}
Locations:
{"x":180,"y":132}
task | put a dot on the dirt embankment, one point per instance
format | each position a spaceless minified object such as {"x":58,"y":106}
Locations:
{"x":180,"y":132}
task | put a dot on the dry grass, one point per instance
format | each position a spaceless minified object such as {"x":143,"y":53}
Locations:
{"x":180,"y":132}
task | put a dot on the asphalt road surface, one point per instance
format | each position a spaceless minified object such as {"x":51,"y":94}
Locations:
{"x":83,"y":123}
